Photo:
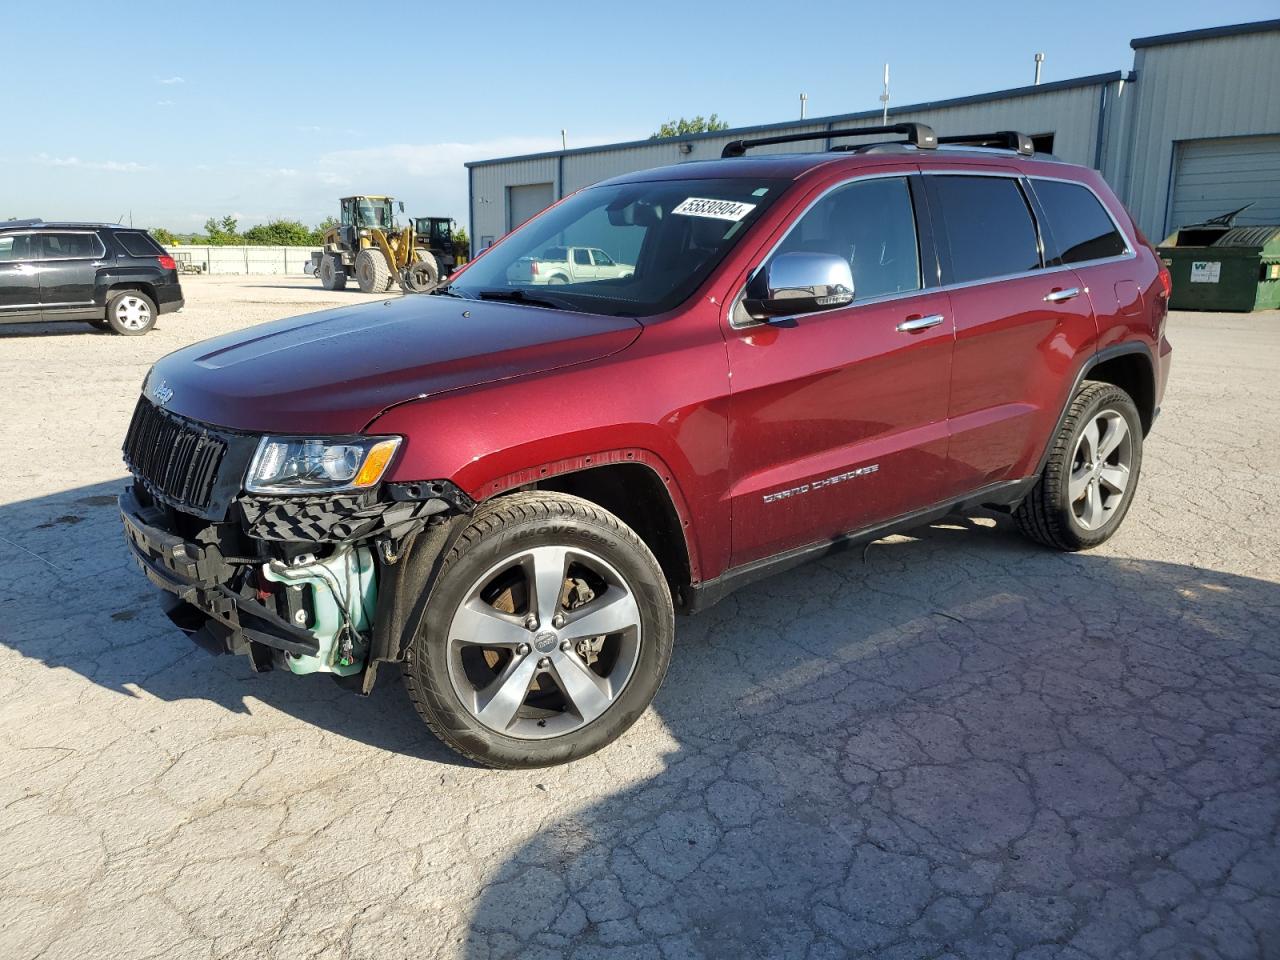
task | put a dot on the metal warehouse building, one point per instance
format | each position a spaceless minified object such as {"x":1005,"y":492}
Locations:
{"x":1191,"y":132}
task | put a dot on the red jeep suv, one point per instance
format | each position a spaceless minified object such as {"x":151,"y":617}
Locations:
{"x":513,"y":486}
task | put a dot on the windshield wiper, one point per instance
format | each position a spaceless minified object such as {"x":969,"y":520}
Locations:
{"x":519,"y":296}
{"x":445,"y":291}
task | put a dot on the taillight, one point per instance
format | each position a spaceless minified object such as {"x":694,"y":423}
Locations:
{"x":166,"y":262}
{"x":533,"y":268}
{"x":1166,"y":282}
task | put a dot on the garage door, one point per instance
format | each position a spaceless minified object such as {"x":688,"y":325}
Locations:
{"x":524,"y":201}
{"x":1213,"y":177}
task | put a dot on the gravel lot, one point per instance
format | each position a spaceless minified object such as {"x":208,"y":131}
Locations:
{"x":955,"y":745}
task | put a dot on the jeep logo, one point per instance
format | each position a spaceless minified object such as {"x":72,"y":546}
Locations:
{"x":162,"y":393}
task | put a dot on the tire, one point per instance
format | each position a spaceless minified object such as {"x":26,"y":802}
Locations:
{"x":423,"y":275}
{"x":557,"y":279}
{"x":460,"y":655}
{"x":1082,"y":458}
{"x":332,"y":275}
{"x":130,"y":313}
{"x":372,"y":272}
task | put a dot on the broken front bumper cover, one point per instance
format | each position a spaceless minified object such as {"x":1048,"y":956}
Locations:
{"x":197,"y":576}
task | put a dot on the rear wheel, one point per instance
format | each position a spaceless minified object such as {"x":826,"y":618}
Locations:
{"x":130,"y":313}
{"x":548,"y":632}
{"x":1089,"y":480}
{"x":372,"y":272}
{"x":332,"y":275}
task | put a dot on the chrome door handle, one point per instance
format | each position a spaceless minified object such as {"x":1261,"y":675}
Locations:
{"x":1058,"y":296}
{"x":916,"y":324}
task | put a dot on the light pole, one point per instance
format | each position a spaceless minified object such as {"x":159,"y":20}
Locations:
{"x":884,"y":98}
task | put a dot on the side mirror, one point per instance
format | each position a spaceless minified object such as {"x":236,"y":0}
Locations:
{"x":799,"y":283}
{"x":401,"y":202}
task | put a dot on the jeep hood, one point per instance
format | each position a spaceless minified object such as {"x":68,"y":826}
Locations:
{"x":333,"y":372}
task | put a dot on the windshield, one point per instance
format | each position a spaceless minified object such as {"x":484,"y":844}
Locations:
{"x":373,"y":213}
{"x":631,"y":249}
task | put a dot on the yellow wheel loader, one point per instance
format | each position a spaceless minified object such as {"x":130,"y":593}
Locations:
{"x":368,"y":243}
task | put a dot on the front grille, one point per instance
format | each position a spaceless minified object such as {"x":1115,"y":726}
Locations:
{"x":176,"y":458}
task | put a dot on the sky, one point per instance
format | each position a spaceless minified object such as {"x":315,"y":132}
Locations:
{"x":170,"y":114}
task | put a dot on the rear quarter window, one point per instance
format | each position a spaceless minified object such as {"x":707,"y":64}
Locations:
{"x":138,"y":244}
{"x":1082,"y":229}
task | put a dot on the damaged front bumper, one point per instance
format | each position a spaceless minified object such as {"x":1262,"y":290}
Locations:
{"x":308,"y":583}
{"x":198,"y":576}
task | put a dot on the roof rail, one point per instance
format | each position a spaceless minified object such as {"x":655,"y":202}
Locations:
{"x":917,"y":134}
{"x":20,"y":223}
{"x":1005,"y":139}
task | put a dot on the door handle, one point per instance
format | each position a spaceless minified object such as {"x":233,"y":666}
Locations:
{"x":1058,"y":296}
{"x":916,"y":324}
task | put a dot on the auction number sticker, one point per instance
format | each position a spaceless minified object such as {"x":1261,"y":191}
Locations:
{"x":715,"y":209}
{"x":1205,"y":271}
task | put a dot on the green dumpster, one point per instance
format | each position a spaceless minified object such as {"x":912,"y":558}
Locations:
{"x":1216,"y":266}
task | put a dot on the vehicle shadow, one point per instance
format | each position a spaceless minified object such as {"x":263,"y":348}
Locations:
{"x":52,"y":328}
{"x":956,"y":744}
{"x":952,"y":743}
{"x":107,"y":626}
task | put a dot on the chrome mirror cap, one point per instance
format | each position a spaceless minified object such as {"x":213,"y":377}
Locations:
{"x":799,"y":283}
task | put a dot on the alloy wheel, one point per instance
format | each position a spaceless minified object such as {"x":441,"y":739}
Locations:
{"x":544,"y":642}
{"x":1100,"y":469}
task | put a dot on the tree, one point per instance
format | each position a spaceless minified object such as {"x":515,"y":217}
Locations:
{"x":462,"y":244}
{"x":280,"y":233}
{"x":222,"y":231}
{"x":165,"y":238}
{"x":325,"y":225}
{"x":683,"y":127}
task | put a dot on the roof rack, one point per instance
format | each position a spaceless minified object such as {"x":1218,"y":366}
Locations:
{"x":917,"y":134}
{"x":1005,"y":139}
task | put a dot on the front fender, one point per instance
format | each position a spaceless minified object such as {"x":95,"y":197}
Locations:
{"x":510,"y":434}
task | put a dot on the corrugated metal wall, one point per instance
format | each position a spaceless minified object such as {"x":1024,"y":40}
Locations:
{"x":489,"y":193}
{"x":1218,"y":87}
{"x":1197,"y":88}
{"x":1071,"y":114}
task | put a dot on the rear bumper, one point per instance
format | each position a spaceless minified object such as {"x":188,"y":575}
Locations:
{"x":198,"y":578}
{"x":169,"y":298}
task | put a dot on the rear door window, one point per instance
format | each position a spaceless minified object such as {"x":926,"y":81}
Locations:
{"x":869,"y":223}
{"x":70,"y":246}
{"x":138,"y":244}
{"x":988,"y":227}
{"x":582,"y":257}
{"x":1082,"y":230}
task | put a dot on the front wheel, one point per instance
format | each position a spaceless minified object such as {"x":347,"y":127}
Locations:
{"x":548,"y":632}
{"x":372,"y":272}
{"x":1089,"y":480}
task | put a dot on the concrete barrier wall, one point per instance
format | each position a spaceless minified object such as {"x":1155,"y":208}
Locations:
{"x":244,"y":259}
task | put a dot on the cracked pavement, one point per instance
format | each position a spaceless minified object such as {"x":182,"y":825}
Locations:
{"x":951,"y":745}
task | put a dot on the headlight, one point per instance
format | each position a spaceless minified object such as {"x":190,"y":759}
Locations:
{"x":319,"y":464}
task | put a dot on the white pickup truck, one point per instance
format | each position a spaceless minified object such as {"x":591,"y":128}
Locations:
{"x":568,"y":265}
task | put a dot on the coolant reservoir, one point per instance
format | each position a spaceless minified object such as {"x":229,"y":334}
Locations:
{"x":345,"y":581}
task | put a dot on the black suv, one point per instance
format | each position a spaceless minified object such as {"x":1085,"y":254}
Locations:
{"x":116,"y":278}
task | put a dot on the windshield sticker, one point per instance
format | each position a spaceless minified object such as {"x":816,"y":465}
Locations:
{"x":714,"y":209}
